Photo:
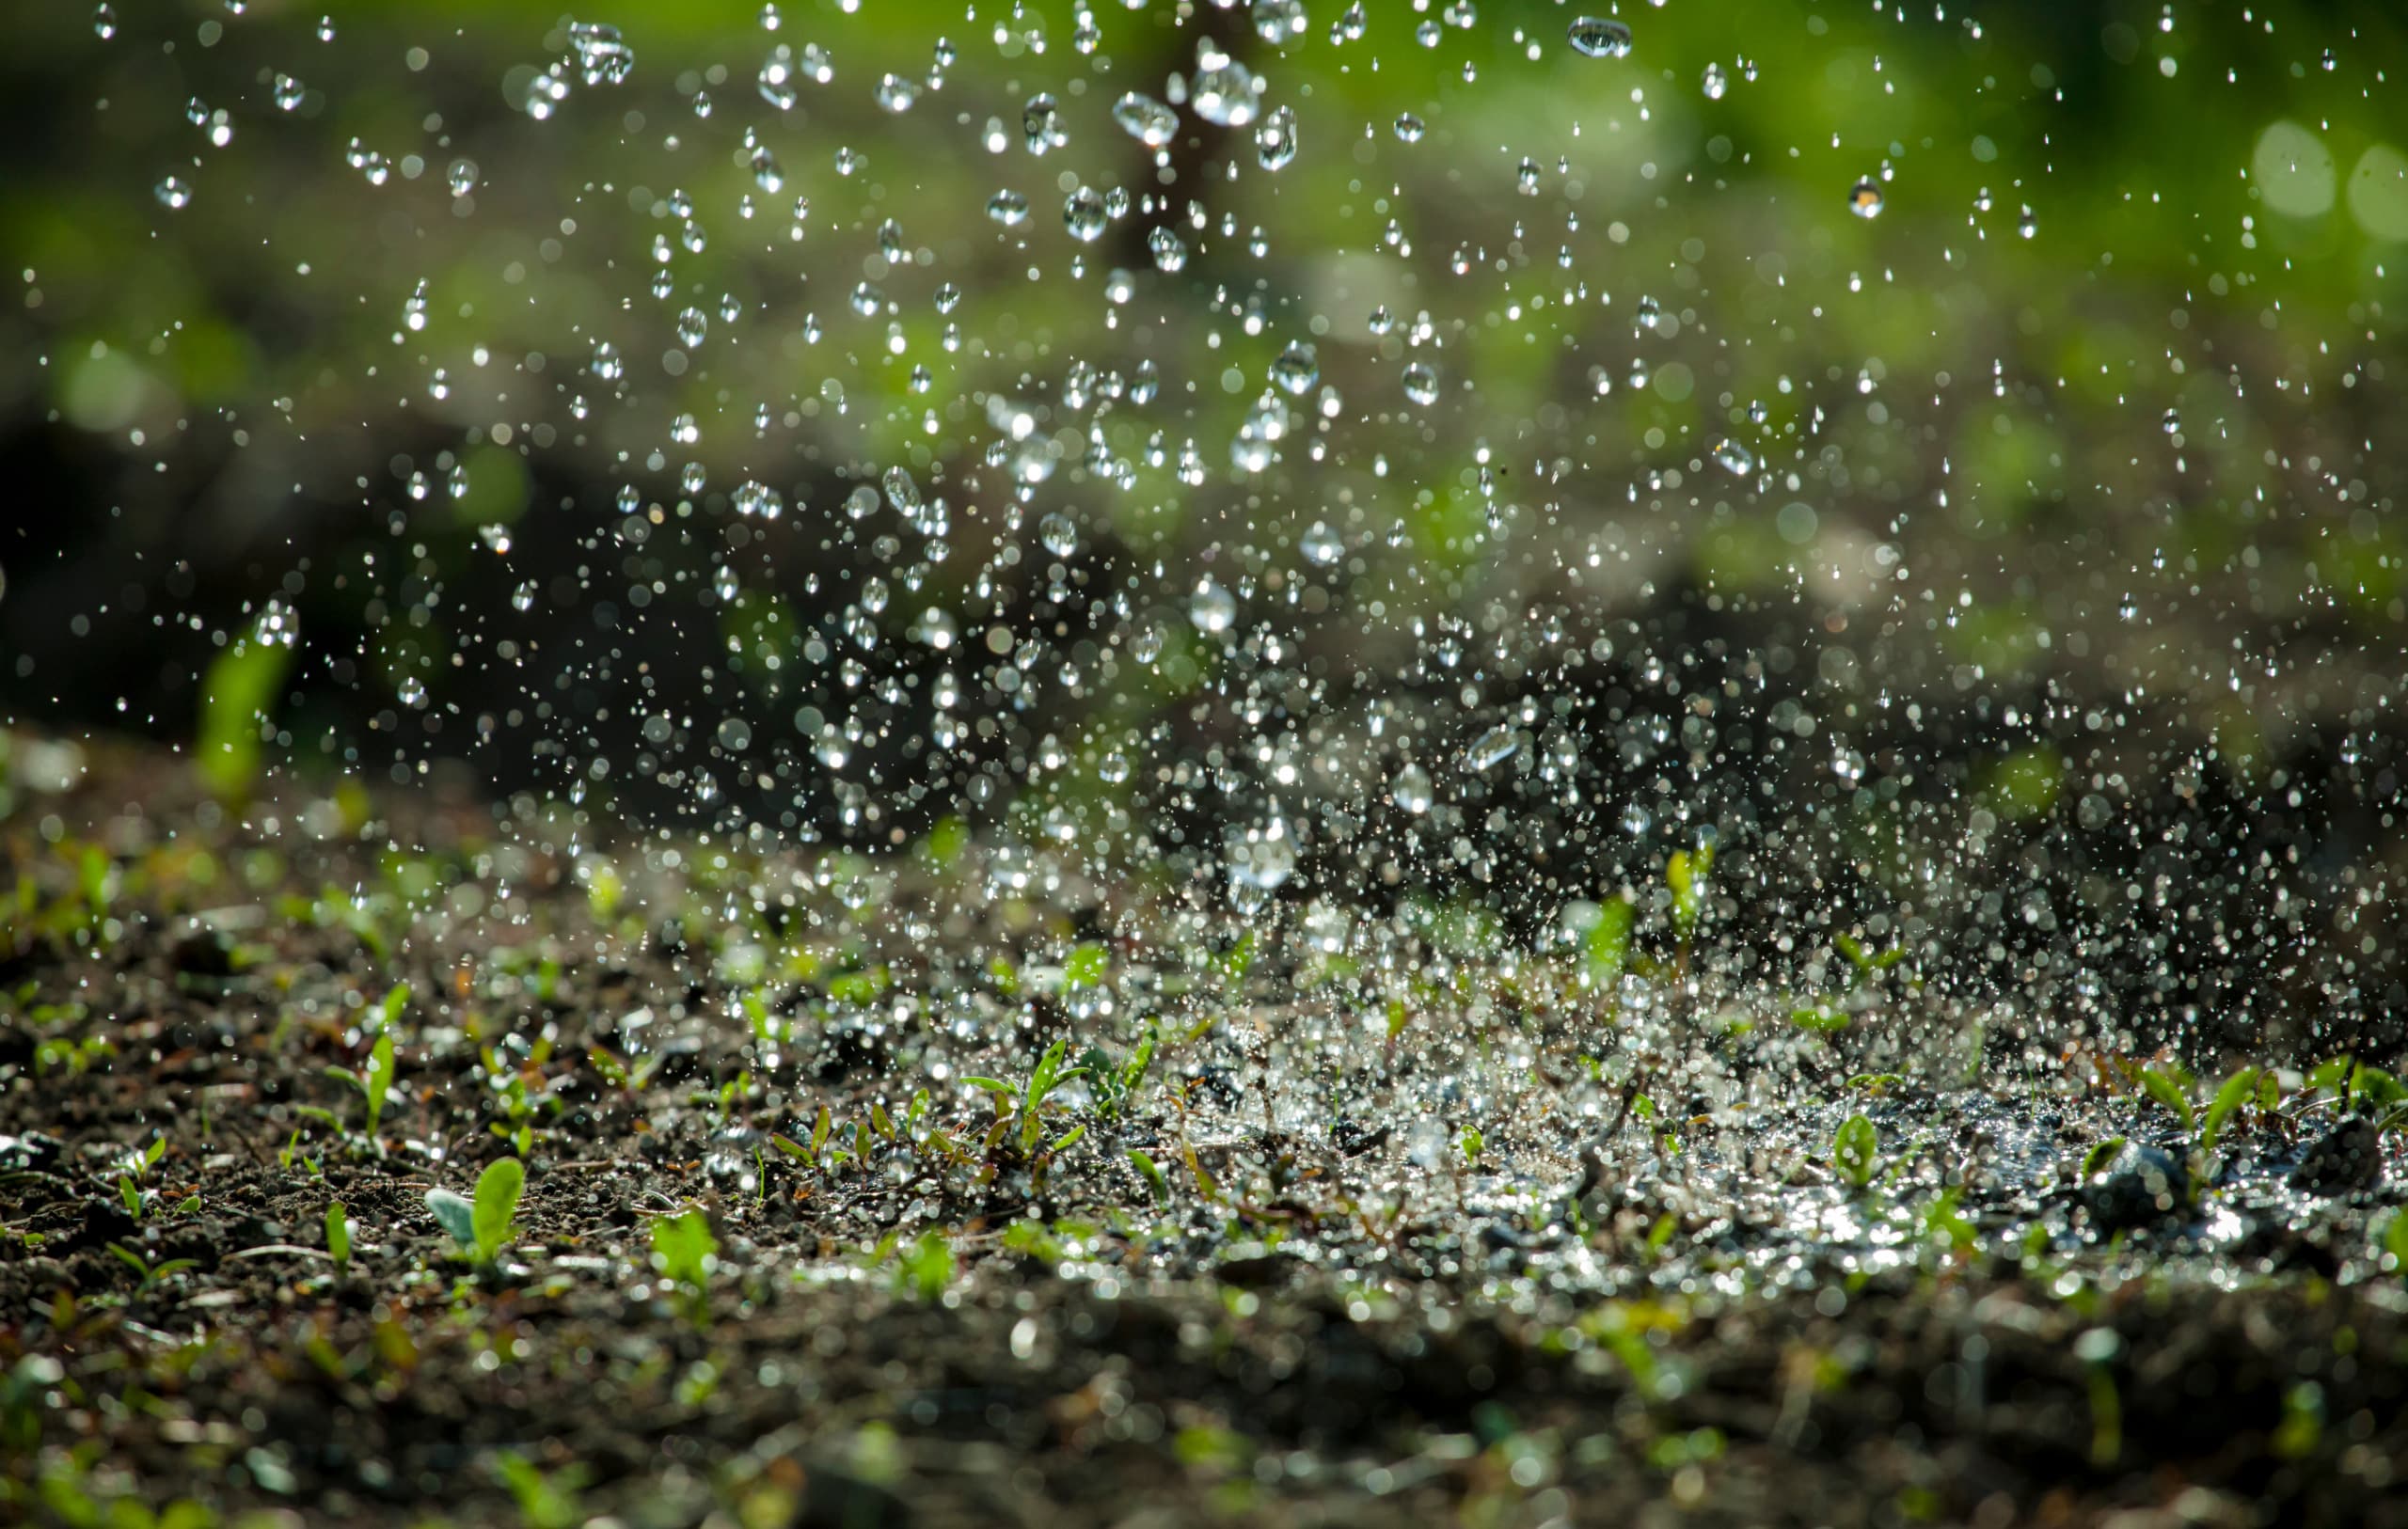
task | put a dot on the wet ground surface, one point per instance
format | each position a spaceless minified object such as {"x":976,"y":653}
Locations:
{"x":1521,"y":1259}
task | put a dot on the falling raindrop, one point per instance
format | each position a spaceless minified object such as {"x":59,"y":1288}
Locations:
{"x":1600,"y":37}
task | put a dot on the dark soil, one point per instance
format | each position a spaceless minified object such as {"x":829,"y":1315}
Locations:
{"x":1310,"y":1325}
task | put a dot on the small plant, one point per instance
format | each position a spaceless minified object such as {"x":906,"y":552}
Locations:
{"x":1856,"y":1151}
{"x":1029,"y":1099}
{"x":685,"y":1254}
{"x":1116,"y":1087}
{"x":483,"y":1227}
{"x":545,"y":1501}
{"x":925,"y":1268}
{"x":152,"y":1273}
{"x":339,"y":1238}
{"x":237,"y":695}
{"x":372,"y":1084}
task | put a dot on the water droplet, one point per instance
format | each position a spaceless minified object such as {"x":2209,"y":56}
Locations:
{"x":1412,"y":789}
{"x":462,"y":177}
{"x":1083,"y":214}
{"x":1735,"y":457}
{"x":1146,"y":119}
{"x":1008,"y":208}
{"x":1223,"y":92}
{"x":1212,"y":608}
{"x":104,"y":21}
{"x":602,"y":54}
{"x":1296,"y":369}
{"x":1059,"y":534}
{"x":1715,"y":81}
{"x":175,"y":195}
{"x":1409,"y":128}
{"x":1275,"y":141}
{"x":1040,"y":123}
{"x":1600,"y":37}
{"x":1491,"y":748}
{"x":1421,"y":383}
{"x":1322,"y":545}
{"x":1864,"y":200}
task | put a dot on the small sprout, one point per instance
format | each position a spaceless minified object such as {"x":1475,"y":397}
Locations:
{"x":685,"y":1253}
{"x":1605,"y":947}
{"x":2162,"y":1087}
{"x":545,"y":1501}
{"x":152,"y":1273}
{"x":131,"y":1193}
{"x":390,"y":1012}
{"x":237,"y":696}
{"x":1685,"y":873}
{"x":923,"y":1268}
{"x":2237,"y":1091}
{"x":482,"y":1226}
{"x":497,"y":1206}
{"x":1029,"y":1099}
{"x":1155,"y":1180}
{"x":1856,"y":1151}
{"x":2102,"y":1156}
{"x":1471,"y":1141}
{"x":339,"y":1238}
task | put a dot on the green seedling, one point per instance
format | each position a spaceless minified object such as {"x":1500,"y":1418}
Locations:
{"x":1471,"y":1140}
{"x":2238,"y":1090}
{"x":1152,"y":1174}
{"x":339,"y":1238}
{"x":685,"y":1254}
{"x":1605,"y":945}
{"x":2102,"y":1156}
{"x":483,"y":1227}
{"x":131,"y":1194}
{"x":1685,"y":874}
{"x":544,"y":1501}
{"x":152,"y":1273}
{"x":923,"y":1268}
{"x":1116,"y":1087}
{"x":237,"y":700}
{"x":1856,"y":1151}
{"x":2167,"y":1092}
{"x":373,"y":1085}
{"x":1028,"y":1100}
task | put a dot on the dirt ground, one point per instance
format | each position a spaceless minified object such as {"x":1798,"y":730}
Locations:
{"x":908,"y":1319}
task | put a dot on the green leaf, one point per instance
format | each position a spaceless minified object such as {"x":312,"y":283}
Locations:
{"x":2395,"y":1241}
{"x":1155,"y":1180}
{"x":127,"y":1191}
{"x":238,"y":696}
{"x":682,"y":1248}
{"x":496,"y":1205}
{"x":339,"y":1235}
{"x":1856,"y":1151}
{"x":379,"y":1080}
{"x":1822,"y":1018}
{"x":994,"y":1085}
{"x":2234,"y":1093}
{"x":788,"y":1145}
{"x":395,"y":1002}
{"x":1085,"y":969}
{"x":455,"y":1214}
{"x":1686,"y":874}
{"x":2102,"y":1156}
{"x":1604,"y":950}
{"x":2160,"y":1085}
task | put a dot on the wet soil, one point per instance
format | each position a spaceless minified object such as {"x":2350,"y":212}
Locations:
{"x":1596,"y":1316}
